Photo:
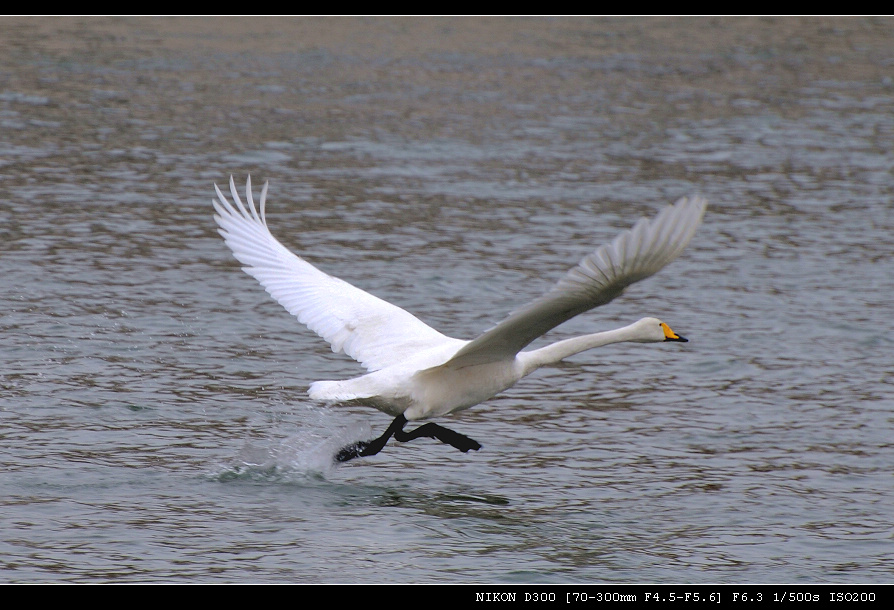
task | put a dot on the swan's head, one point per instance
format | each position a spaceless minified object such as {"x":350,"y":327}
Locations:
{"x":653,"y":330}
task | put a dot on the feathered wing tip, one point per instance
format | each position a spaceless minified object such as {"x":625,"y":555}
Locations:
{"x":370,"y":330}
{"x":597,"y":279}
{"x":224,"y":208}
{"x":635,"y":254}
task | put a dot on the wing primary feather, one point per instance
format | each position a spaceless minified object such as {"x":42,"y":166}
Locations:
{"x":597,"y":279}
{"x":370,"y":330}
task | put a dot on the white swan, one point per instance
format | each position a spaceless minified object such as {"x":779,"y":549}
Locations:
{"x":415,"y":371}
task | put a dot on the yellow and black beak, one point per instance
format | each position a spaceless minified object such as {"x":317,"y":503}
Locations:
{"x":670,"y":335}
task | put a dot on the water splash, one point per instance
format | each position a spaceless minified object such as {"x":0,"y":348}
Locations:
{"x":307,"y":453}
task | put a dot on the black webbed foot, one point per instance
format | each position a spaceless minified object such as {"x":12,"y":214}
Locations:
{"x":365,"y":448}
{"x":349,"y":452}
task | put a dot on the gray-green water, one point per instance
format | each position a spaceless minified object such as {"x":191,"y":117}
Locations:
{"x":153,"y":418}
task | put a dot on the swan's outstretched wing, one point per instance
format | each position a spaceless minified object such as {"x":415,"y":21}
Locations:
{"x":601,"y":276}
{"x":366,"y":328}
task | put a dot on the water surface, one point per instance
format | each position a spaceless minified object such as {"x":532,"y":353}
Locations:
{"x":154,"y":425}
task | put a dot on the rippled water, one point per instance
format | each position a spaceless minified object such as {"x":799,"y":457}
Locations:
{"x":153,"y":418}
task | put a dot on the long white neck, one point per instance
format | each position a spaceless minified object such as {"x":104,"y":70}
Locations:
{"x":560,"y":350}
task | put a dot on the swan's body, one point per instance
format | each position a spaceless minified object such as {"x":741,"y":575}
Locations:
{"x":418,"y":373}
{"x":429,"y":384}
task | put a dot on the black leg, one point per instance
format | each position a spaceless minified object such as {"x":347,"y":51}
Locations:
{"x":396,"y":429}
{"x":445,"y":435}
